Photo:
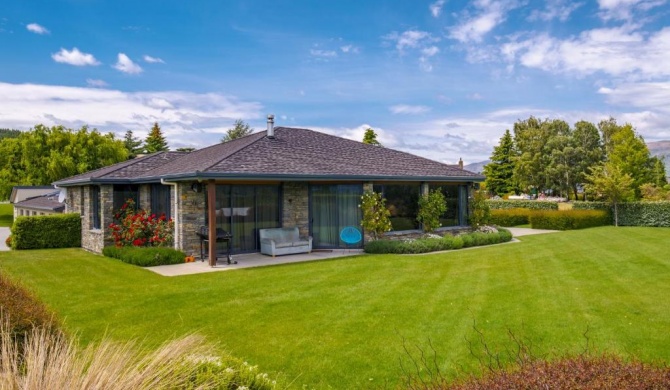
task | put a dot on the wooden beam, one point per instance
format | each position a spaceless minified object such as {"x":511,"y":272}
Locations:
{"x":211,"y":213}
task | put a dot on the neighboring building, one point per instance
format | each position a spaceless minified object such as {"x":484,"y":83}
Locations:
{"x":20,"y":193}
{"x":282,"y":177}
{"x":46,"y":204}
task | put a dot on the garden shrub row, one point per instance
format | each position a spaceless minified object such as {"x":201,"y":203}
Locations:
{"x":145,"y":256}
{"x":510,"y":217}
{"x":522,"y":204}
{"x":644,"y":214}
{"x":22,"y":311}
{"x":49,"y":231}
{"x":425,"y":245}
{"x":569,"y":219}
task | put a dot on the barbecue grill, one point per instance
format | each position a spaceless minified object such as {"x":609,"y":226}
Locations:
{"x":221,"y":236}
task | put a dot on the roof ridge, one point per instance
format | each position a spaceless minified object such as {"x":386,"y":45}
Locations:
{"x":237,"y":151}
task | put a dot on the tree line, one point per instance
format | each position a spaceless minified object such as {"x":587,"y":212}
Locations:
{"x":549,"y":156}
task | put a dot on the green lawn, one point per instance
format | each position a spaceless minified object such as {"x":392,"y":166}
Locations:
{"x":341,"y":323}
{"x":6,"y":214}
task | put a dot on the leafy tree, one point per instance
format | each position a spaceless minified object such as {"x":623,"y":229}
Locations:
{"x":9,"y":133}
{"x":155,"y":141}
{"x":531,"y":138}
{"x":240,"y":129}
{"x":376,"y":217}
{"x":370,"y":137}
{"x":588,"y":152}
{"x":44,"y":155}
{"x":500,"y":171}
{"x":610,"y":182}
{"x":627,"y":150}
{"x":132,"y":144}
{"x":652,"y":192}
{"x":431,"y":206}
{"x":187,"y":150}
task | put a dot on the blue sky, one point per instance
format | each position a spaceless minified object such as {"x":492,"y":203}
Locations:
{"x":441,"y":79}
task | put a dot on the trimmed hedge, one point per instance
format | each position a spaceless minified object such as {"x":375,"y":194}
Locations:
{"x":644,"y":214}
{"x":425,"y":245}
{"x":49,"y":231}
{"x":522,"y":204}
{"x":145,"y":256}
{"x":568,"y":219}
{"x":591,"y":206}
{"x":510,"y":217}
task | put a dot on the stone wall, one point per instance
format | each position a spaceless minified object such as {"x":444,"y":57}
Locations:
{"x":295,"y":207}
{"x":145,"y":196}
{"x":191,"y":206}
{"x":79,"y":201}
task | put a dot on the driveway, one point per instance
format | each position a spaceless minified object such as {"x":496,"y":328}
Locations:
{"x":4,"y":233}
{"x":518,"y":232}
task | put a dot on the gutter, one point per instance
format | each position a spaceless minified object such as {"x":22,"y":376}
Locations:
{"x":175,"y":218}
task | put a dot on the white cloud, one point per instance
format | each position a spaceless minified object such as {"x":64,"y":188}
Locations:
{"x":94,"y":83}
{"x":411,"y":39}
{"x":350,"y":49}
{"x":625,"y":9}
{"x":653,"y":121}
{"x":490,"y":13}
{"x":619,"y":51}
{"x":385,"y":137}
{"x":74,"y":57}
{"x":430,"y":51}
{"x":407,"y":109}
{"x":320,"y":53}
{"x":152,"y":60}
{"x":196,"y":119}
{"x":37,"y":29}
{"x":555,"y":9}
{"x":436,"y":8}
{"x":126,"y":65}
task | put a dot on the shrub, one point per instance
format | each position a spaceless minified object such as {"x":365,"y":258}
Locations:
{"x":425,"y":245}
{"x":22,"y":311}
{"x":8,"y":241}
{"x":644,"y":214}
{"x":140,"y":228}
{"x":431,"y":207}
{"x":49,"y":231}
{"x":375,"y":214}
{"x":145,"y":256}
{"x":480,"y":213}
{"x":581,"y":372}
{"x":522,"y":204}
{"x":569,"y":219}
{"x":510,"y":217}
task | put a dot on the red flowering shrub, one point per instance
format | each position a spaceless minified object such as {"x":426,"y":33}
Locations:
{"x":139,"y":228}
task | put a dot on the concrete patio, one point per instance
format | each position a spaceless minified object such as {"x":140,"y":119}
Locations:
{"x":250,"y":260}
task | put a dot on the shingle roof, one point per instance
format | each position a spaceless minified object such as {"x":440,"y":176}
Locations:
{"x":124,"y":170}
{"x":43,"y":202}
{"x":292,"y":153}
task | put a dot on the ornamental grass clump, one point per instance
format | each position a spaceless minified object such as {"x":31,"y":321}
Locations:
{"x":140,"y":228}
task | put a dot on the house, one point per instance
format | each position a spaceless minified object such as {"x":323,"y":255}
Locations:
{"x":35,"y":200}
{"x":282,"y":177}
{"x":46,"y":204}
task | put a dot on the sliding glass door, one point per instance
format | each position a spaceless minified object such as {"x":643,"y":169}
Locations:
{"x":332,"y":208}
{"x":244,"y":209}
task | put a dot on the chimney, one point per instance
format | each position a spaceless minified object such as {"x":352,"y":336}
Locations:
{"x":460,"y":163}
{"x":271,"y":126}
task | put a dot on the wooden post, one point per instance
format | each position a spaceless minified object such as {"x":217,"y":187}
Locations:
{"x":211,"y":213}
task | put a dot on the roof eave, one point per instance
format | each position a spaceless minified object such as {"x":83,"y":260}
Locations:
{"x":304,"y":177}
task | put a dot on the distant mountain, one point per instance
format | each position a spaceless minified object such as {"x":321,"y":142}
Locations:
{"x":661,"y":149}
{"x":477,"y":167}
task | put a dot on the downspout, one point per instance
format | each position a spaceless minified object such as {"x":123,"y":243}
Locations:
{"x":175,"y":218}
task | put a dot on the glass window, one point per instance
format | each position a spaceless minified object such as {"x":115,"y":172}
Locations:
{"x":123,"y":192}
{"x":451,"y":194}
{"x":160,"y":200}
{"x":95,"y":207}
{"x":402,"y":200}
{"x":244,"y":209}
{"x":334,"y":207}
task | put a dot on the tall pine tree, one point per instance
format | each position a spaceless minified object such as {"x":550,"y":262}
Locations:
{"x":500,"y":171}
{"x":132,"y":144}
{"x":370,"y":137}
{"x":240,"y":129}
{"x":155,"y":141}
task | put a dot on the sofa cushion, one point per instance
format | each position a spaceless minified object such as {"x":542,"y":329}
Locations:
{"x":279,"y":244}
{"x":300,"y":243}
